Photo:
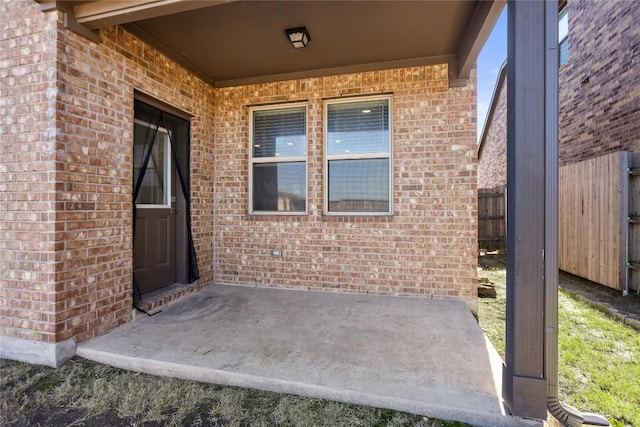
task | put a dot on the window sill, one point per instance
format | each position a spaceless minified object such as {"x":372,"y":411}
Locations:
{"x":276,"y":216}
{"x":357,"y":217}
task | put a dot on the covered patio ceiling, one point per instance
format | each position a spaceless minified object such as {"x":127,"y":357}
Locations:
{"x":229,"y":43}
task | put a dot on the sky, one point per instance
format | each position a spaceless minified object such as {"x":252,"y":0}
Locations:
{"x":489,"y":62}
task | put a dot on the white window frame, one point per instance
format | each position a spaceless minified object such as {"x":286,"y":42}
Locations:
{"x":329,"y":157}
{"x":288,"y":159}
{"x":167,"y":161}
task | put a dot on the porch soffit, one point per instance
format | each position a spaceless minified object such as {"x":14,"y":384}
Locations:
{"x":229,"y":43}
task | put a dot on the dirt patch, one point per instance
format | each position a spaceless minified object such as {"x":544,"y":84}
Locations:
{"x":609,"y":301}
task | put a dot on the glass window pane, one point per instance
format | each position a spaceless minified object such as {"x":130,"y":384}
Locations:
{"x":563,"y":25}
{"x":359,"y":185}
{"x":358,"y":127}
{"x":564,"y":51}
{"x":156,"y":178}
{"x":280,"y":132}
{"x":279,"y":187}
{"x":563,"y":35}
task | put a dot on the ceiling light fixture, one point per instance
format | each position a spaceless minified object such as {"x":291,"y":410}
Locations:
{"x":299,"y":37}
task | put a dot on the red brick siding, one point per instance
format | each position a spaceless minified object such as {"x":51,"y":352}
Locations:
{"x":603,"y":115}
{"x":427,"y":248}
{"x":27,"y":172}
{"x":84,"y":151}
{"x":492,"y":166}
{"x":67,"y":116}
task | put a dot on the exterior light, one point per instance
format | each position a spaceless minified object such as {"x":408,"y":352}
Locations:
{"x":299,"y":37}
{"x":366,"y":111}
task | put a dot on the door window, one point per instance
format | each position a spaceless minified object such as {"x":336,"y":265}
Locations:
{"x":155,"y":190}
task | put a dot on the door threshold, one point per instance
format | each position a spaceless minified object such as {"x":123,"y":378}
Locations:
{"x":154,"y":300}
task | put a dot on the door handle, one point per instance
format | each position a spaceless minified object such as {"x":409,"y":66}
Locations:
{"x":174,"y":210}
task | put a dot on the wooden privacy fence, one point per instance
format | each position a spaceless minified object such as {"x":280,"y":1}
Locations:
{"x":491,"y":219}
{"x":599,"y":233}
{"x":634,"y":222}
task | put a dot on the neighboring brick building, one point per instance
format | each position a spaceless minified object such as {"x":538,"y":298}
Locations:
{"x":492,"y":149}
{"x":67,"y":115}
{"x":599,"y":114}
{"x":599,"y":99}
{"x":600,"y":84}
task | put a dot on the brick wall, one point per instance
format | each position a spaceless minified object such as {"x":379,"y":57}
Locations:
{"x":66,"y":225}
{"x":27,"y":171}
{"x":601,"y":116}
{"x":67,"y":114}
{"x":427,"y":248}
{"x":492,"y":164}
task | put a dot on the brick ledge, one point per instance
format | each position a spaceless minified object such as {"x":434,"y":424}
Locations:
{"x":154,"y":300}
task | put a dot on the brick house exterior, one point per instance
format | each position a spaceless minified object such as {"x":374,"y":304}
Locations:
{"x":66,"y":111}
{"x":599,"y":99}
{"x":67,"y":108}
{"x":602,"y":115}
{"x":413,"y":252}
{"x":492,"y":150}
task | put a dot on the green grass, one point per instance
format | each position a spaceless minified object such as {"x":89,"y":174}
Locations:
{"x":492,"y":311}
{"x":599,"y":366}
{"x":86,"y":393}
{"x":599,"y":363}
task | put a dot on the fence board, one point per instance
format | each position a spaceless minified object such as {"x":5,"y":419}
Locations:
{"x":634,"y":229}
{"x":491,"y":219}
{"x":591,"y":236}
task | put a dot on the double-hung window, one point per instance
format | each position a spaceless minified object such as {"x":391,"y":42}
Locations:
{"x":278,"y":160}
{"x":358,"y":161}
{"x":563,"y":35}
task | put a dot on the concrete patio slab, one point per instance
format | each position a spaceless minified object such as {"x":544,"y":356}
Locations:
{"x":421,"y":356}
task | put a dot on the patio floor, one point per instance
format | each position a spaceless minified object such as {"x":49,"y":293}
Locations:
{"x":421,"y":356}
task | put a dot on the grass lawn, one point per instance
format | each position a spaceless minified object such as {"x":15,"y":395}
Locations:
{"x":599,"y":367}
{"x":84,"y":393}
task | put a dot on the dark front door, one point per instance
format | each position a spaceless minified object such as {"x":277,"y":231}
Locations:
{"x":154,"y":246}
